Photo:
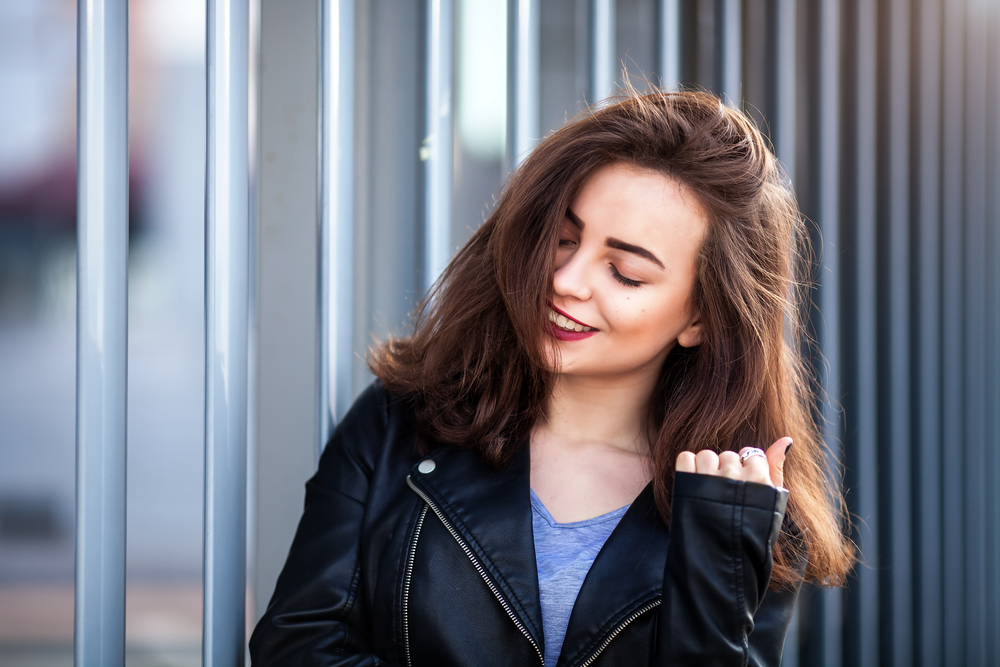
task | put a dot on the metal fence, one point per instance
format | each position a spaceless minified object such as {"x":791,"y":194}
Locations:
{"x":885,"y":113}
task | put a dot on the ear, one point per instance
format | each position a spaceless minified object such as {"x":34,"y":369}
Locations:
{"x":693,"y":335}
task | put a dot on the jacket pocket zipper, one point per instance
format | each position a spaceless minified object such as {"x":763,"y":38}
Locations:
{"x":614,"y":633}
{"x":475,"y":562}
{"x":406,"y":583}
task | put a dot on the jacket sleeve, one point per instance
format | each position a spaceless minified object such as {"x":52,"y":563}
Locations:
{"x":716,"y":608}
{"x":315,"y":616}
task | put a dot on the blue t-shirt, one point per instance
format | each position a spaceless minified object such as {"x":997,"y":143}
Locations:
{"x":564,"y":553}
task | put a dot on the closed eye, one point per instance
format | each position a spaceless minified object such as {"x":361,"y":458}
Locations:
{"x":628,"y":282}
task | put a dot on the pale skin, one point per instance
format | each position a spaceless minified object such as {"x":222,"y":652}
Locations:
{"x":625,"y":268}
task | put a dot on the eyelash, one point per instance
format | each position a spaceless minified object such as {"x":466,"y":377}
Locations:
{"x":628,"y":282}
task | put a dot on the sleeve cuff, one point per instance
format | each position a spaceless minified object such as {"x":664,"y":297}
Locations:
{"x":730,"y":491}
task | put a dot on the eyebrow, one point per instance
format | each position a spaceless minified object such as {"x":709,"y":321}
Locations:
{"x":618,"y":245}
{"x":637,"y":250}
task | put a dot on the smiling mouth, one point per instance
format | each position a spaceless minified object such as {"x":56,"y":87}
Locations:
{"x":566,"y":323}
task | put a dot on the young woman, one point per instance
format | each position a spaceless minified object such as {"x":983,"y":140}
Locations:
{"x":564,"y":463}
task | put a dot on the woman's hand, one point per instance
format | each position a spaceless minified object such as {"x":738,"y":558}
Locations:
{"x":767,"y":469}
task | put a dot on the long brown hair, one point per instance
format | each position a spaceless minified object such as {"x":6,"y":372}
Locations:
{"x":474,"y":370}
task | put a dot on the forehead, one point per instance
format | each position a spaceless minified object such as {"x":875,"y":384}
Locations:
{"x":640,"y":206}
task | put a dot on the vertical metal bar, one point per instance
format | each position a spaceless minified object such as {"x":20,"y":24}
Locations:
{"x":926,"y":351}
{"x":523,"y":65}
{"x":828,"y":208}
{"x":730,"y":50}
{"x":993,"y":327}
{"x":895,"y":456}
{"x":992,"y":444}
{"x":952,"y":348}
{"x":670,"y":44}
{"x":101,"y":331}
{"x":784,"y":131}
{"x":226,"y":304}
{"x":336,"y":215}
{"x":861,"y":619}
{"x":785,"y":89}
{"x":437,"y":149}
{"x":974,"y":267}
{"x":602,"y":50}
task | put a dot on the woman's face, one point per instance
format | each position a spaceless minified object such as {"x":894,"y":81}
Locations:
{"x":624,"y":269}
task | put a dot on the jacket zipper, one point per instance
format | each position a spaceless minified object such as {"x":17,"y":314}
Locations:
{"x":406,"y":584}
{"x":479,"y":569}
{"x":617,"y":631}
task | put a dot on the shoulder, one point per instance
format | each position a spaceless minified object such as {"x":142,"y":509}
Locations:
{"x":377,"y":421}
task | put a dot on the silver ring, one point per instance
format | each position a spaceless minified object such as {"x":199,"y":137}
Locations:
{"x":751,"y":451}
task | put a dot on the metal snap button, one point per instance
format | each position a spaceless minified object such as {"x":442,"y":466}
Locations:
{"x":426,"y":466}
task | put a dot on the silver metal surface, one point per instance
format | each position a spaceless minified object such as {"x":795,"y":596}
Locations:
{"x":861,"y":636}
{"x":602,"y":50}
{"x":731,"y":52}
{"x":523,"y":34}
{"x":927,"y":343}
{"x":226,"y":304}
{"x":436,"y":151}
{"x":894,"y":325}
{"x":101,"y":331}
{"x":336,"y":248}
{"x":828,"y":218}
{"x":978,"y":563}
{"x":954,"y":520}
{"x":786,"y":52}
{"x":670,"y":44}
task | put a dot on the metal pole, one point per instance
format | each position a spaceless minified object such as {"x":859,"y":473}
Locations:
{"x":787,"y":56}
{"x":859,"y":630}
{"x":523,"y":35}
{"x":336,"y":256}
{"x":602,"y":49}
{"x":954,"y":519}
{"x":226,"y":304}
{"x":893,"y":278}
{"x":974,"y":277}
{"x":731,"y":52}
{"x":927,"y":434}
{"x":784,"y":134}
{"x":101,"y":331}
{"x":670,"y":44}
{"x":437,"y":149}
{"x":828,"y":190}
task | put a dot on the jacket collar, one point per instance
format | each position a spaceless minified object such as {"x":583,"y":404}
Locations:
{"x":491,"y":510}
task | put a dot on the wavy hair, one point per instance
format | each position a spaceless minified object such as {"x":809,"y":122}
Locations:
{"x":474,"y":367}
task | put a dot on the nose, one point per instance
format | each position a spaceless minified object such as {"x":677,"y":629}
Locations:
{"x":572,"y":278}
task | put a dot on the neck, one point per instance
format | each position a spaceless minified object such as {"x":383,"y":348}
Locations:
{"x":610,"y":411}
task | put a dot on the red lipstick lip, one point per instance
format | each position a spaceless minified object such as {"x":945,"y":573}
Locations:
{"x":562,"y":334}
{"x":570,"y":317}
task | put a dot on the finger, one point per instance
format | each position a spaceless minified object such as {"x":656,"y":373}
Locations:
{"x":776,"y":461}
{"x":707,"y":462}
{"x":755,"y":469}
{"x":685,"y":462}
{"x":730,"y":466}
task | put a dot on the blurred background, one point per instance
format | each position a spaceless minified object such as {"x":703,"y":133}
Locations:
{"x":885,"y":114}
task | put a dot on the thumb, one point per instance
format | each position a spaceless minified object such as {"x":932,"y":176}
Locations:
{"x":776,"y":460}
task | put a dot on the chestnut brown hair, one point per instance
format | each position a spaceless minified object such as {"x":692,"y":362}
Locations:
{"x":474,"y":368}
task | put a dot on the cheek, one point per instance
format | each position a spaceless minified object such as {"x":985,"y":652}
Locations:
{"x":656,"y":321}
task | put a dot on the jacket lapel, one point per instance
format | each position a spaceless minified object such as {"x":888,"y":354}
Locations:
{"x":627,"y":574}
{"x":491,"y":510}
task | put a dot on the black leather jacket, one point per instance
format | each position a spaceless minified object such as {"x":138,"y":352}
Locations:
{"x":400,"y":561}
